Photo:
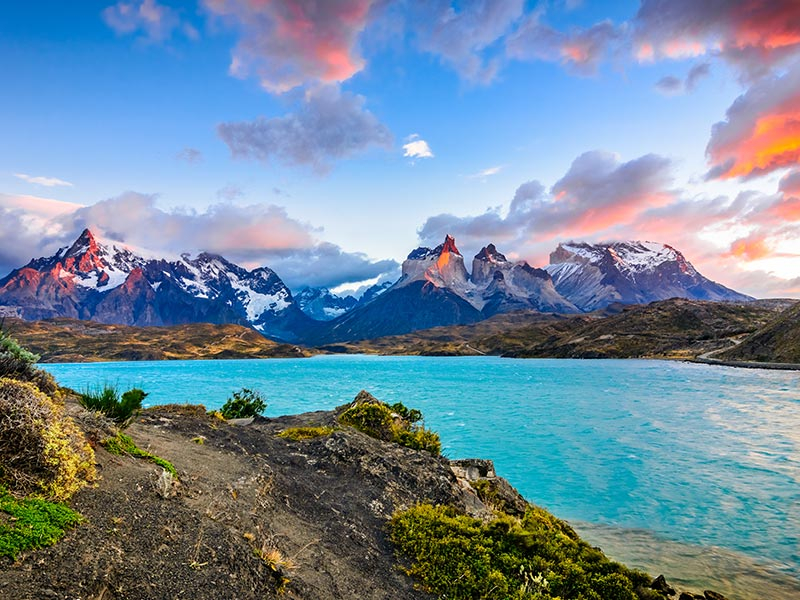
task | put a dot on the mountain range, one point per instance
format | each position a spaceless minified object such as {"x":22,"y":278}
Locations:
{"x":113,"y":283}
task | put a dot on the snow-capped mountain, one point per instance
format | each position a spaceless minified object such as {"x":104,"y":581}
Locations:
{"x":436,"y":289}
{"x":593,"y":276}
{"x":323,"y":305}
{"x":495,"y":285}
{"x":374,"y":291}
{"x":112,"y":283}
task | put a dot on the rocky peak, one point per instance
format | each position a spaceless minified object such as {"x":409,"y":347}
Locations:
{"x":443,"y":266}
{"x":490,"y":254}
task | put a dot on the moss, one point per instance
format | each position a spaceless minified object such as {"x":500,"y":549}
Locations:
{"x":537,"y":557}
{"x":389,"y":423}
{"x":305,"y":433}
{"x":43,"y":452}
{"x":122,"y":444}
{"x":31,"y":523}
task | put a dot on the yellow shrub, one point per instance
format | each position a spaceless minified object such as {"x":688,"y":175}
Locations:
{"x":41,"y":450}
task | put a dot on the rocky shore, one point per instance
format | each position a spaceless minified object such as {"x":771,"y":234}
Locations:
{"x":255,"y":513}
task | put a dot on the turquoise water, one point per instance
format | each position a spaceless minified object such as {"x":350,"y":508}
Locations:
{"x":701,"y":456}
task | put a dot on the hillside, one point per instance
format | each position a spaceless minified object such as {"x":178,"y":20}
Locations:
{"x":673,"y":328}
{"x":70,"y":340}
{"x":777,"y":342}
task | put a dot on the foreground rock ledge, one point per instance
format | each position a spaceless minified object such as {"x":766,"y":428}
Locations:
{"x":253,"y":516}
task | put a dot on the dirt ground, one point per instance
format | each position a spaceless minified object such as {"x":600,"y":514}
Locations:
{"x":253,"y":516}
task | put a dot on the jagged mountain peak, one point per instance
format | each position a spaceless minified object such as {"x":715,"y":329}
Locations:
{"x":489,"y":253}
{"x":442,"y":266}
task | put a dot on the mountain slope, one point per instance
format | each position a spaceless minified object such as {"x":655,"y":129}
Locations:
{"x":595,"y":275}
{"x":322,"y":305}
{"x":778,"y":341}
{"x":111,"y":283}
{"x":402,"y":309}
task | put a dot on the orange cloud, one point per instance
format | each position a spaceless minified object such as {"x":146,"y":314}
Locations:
{"x":761,"y":133}
{"x":750,"y":248}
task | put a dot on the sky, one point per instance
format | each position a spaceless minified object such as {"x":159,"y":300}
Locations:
{"x":326,"y":139}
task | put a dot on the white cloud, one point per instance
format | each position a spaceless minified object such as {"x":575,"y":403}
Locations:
{"x":416,"y":147}
{"x":45,"y":181}
{"x":486,"y":173}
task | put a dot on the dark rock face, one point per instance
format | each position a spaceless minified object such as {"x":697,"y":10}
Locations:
{"x":109,"y":283}
{"x":402,"y":309}
{"x":594,"y":276}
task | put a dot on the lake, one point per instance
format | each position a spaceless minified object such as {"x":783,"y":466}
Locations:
{"x":691,"y":470}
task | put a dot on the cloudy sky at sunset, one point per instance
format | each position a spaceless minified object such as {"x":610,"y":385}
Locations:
{"x":328,"y":138}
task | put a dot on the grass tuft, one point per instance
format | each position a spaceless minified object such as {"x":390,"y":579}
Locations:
{"x":108,"y":401}
{"x":122,"y":444}
{"x":298,"y":434}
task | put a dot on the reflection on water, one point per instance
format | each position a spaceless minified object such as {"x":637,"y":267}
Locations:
{"x":690,"y":567}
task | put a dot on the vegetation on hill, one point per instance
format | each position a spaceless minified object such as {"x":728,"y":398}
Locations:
{"x":536,"y":557}
{"x":70,"y":340}
{"x":394,"y":423}
{"x":778,"y":341}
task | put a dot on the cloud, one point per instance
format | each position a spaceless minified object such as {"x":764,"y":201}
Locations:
{"x":755,"y":36}
{"x":230,"y":192}
{"x":327,"y":265}
{"x":597,"y":192}
{"x":154,"y":21}
{"x":45,"y":181}
{"x":790,"y":184}
{"x":287,"y":43}
{"x":252,"y":235}
{"x":484,"y":173}
{"x":416,"y":147}
{"x":462,"y":36}
{"x":190,"y":155}
{"x":582,"y":50}
{"x":28,"y":223}
{"x":329,"y":125}
{"x":761,"y":130}
{"x":671,"y":85}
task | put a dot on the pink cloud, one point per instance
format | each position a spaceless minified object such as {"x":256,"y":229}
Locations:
{"x":287,"y":43}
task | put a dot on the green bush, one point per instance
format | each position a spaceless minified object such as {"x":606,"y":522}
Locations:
{"x":18,"y":363}
{"x":394,"y":423}
{"x":537,"y":557}
{"x":243,"y":404}
{"x":122,"y":444}
{"x":107,"y":401}
{"x":31,"y":523}
{"x":41,"y":450}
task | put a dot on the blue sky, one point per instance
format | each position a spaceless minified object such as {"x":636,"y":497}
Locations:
{"x":156,"y":120}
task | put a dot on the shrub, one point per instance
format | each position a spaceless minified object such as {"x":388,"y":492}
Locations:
{"x":394,"y":423}
{"x":243,"y":404}
{"x":18,"y":363}
{"x":41,"y":450}
{"x":31,"y":523}
{"x":107,"y":401}
{"x":537,"y":557}
{"x":305,"y":433}
{"x":122,"y":444}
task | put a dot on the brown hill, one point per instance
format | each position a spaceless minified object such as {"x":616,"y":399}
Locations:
{"x":777,"y":342}
{"x":70,"y":340}
{"x":675,"y":328}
